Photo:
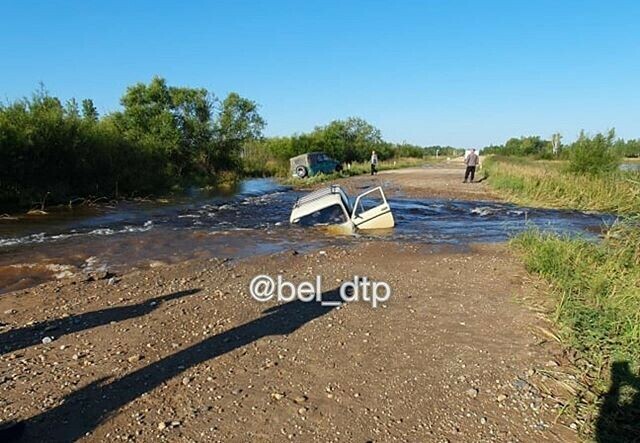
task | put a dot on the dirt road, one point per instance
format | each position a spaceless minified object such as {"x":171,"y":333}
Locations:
{"x":183,"y":353}
{"x":441,"y":180}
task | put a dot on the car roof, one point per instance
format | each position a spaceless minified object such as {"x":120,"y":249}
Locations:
{"x":308,"y":153}
{"x":318,"y":200}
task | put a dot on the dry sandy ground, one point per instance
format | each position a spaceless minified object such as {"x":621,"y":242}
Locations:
{"x":183,"y":353}
{"x":442,"y":180}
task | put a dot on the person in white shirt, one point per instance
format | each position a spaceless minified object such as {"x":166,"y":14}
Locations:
{"x":374,"y":163}
{"x":472,"y":160}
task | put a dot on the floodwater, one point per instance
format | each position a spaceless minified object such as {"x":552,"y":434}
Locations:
{"x":250,"y":219}
{"x":630,"y":166}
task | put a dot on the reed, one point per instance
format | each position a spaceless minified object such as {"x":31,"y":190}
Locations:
{"x":595,"y":284}
{"x":596,"y":295}
{"x":549,"y":184}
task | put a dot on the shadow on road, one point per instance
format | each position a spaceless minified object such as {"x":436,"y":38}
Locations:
{"x":17,"y":339}
{"x":619,"y":418}
{"x":83,"y":410}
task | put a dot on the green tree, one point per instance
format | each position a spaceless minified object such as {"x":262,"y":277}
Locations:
{"x":163,"y":136}
{"x":593,"y":155}
{"x":89,"y":111}
{"x":174,"y":121}
{"x":147,"y":118}
{"x":523,"y":146}
{"x":348,"y":140}
{"x":237,"y":124}
{"x":72,"y":110}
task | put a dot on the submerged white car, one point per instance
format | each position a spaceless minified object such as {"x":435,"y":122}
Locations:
{"x":331,"y":205}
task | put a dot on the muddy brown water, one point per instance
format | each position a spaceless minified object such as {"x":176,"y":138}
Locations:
{"x":250,"y":219}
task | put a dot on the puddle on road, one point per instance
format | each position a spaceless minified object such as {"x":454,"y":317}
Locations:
{"x":251,"y":219}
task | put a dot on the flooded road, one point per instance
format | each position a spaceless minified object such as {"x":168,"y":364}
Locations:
{"x":247,"y":220}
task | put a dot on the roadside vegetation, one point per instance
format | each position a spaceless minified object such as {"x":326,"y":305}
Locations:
{"x":164,"y":139}
{"x":596,"y":284}
{"x":349,"y":141}
{"x":597,"y":309}
{"x":551,"y":183}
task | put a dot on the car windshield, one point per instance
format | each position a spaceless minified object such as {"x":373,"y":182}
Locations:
{"x":330,"y":215}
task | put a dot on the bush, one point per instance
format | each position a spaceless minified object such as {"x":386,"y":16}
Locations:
{"x":594,"y":155}
{"x":164,"y":137}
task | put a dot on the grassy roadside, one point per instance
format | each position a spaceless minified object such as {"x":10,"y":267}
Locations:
{"x":596,"y":295}
{"x":596,"y":286}
{"x":545,"y":183}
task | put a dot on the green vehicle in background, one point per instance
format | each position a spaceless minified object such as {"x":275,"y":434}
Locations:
{"x":312,"y":163}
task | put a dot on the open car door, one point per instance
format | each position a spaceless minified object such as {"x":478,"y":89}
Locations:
{"x":371,"y":211}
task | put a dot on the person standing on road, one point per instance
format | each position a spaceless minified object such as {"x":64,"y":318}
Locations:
{"x":471,"y":161}
{"x":374,"y":163}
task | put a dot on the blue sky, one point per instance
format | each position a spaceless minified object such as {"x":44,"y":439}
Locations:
{"x":464,"y":73}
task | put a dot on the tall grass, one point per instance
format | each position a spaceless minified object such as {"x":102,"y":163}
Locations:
{"x":596,"y":289}
{"x":548,"y":183}
{"x":596,"y":285}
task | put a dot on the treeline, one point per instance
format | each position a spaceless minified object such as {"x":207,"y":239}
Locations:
{"x":523,"y":146}
{"x":591,"y":154}
{"x":544,"y":148}
{"x":350,"y":140}
{"x":627,"y":148}
{"x":164,"y":136}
